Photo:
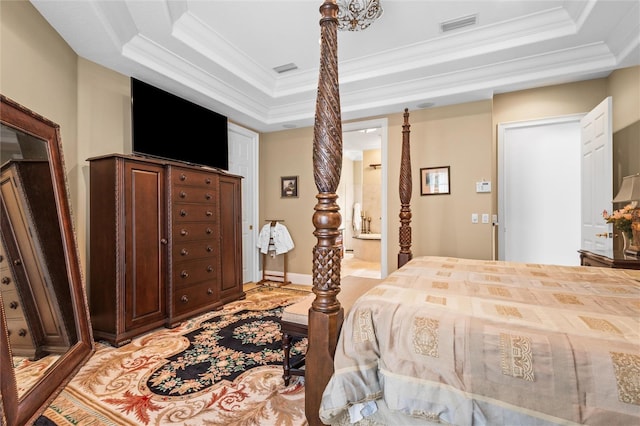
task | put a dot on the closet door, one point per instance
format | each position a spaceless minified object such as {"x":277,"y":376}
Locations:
{"x":145,"y":244}
{"x":231,"y":237}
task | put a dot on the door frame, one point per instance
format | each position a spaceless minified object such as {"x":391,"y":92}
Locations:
{"x":383,"y":124}
{"x":502,"y":178}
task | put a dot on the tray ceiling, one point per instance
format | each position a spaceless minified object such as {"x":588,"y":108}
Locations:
{"x":222,"y":54}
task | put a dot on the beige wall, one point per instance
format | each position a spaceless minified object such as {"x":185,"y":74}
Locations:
{"x":91,"y":104}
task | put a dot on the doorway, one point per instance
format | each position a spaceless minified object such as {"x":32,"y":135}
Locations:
{"x":539,"y":203}
{"x":363,"y":191}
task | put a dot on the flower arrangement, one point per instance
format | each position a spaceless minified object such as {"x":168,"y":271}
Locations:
{"x":622,"y":219}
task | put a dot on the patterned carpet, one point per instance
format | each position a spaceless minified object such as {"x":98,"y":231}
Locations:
{"x":220,"y":368}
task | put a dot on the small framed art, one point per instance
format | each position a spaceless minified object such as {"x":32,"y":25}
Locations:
{"x":289,"y":186}
{"x":434,"y":181}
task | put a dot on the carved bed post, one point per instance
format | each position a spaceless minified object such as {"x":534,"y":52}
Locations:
{"x":325,"y":314}
{"x":405,"y":254}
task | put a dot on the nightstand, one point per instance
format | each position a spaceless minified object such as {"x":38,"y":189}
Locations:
{"x":605,"y":259}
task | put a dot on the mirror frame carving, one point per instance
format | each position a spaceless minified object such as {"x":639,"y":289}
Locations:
{"x":25,"y":410}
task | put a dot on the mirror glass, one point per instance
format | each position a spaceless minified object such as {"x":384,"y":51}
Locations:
{"x":45,"y":332}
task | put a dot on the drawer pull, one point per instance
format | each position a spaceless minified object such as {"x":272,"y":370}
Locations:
{"x":14,"y":305}
{"x":208,"y":196}
{"x":209,"y":213}
{"x":209,"y":249}
{"x":209,"y":268}
{"x":184,"y":274}
{"x":184,"y":232}
{"x":183,"y":176}
{"x":183,"y":194}
{"x":22,"y":332}
{"x":184,"y":252}
{"x":207,"y":181}
{"x":184,"y":299}
{"x":17,"y":262}
{"x":209,"y":291}
{"x":183,"y":212}
{"x":209,"y":230}
{"x":6,"y":280}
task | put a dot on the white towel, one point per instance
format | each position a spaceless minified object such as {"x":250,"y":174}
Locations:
{"x":356,"y":220}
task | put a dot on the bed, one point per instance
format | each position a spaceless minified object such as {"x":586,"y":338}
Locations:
{"x":460,"y":341}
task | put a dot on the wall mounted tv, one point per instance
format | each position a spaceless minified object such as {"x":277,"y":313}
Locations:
{"x":169,"y":127}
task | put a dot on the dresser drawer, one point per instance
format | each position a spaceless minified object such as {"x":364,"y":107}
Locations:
{"x":12,"y":304}
{"x":194,"y":194}
{"x":194,"y":272}
{"x":188,"y":231}
{"x":6,"y":280}
{"x":188,"y":250}
{"x":189,"y":298}
{"x":19,"y":334}
{"x":193,"y":178}
{"x":194,"y":212}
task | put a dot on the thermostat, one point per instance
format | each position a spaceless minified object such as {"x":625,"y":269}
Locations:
{"x":483,"y":186}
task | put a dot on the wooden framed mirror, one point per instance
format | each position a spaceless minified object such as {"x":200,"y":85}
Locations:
{"x":44,"y":318}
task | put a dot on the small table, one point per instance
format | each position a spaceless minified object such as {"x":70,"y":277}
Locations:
{"x":608,"y":259}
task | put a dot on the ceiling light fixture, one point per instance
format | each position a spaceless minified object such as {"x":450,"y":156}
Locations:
{"x":356,"y":15}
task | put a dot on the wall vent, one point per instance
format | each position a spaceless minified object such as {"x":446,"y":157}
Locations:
{"x":285,"y":68}
{"x":458,"y":23}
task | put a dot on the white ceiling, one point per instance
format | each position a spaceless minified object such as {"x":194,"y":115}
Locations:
{"x":221,"y":54}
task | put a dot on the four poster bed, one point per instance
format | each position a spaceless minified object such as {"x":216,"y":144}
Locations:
{"x":459,"y":341}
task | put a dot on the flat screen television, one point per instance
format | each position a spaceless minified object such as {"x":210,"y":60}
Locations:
{"x":168,"y":127}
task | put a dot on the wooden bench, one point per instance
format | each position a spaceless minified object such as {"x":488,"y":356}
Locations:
{"x":295,"y":319}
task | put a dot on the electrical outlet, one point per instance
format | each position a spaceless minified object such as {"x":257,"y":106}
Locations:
{"x":485,"y":217}
{"x":474,"y":217}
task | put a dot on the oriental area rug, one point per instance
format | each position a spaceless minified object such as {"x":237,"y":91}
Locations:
{"x":220,"y":368}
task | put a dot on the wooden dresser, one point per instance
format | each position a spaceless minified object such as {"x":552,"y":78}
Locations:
{"x":616,"y":259}
{"x":156,"y":235}
{"x":35,"y":290}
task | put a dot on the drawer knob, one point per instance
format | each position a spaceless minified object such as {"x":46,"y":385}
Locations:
{"x":208,"y":196}
{"x":183,"y":194}
{"x":183,"y":212}
{"x":184,"y":252}
{"x":17,"y":262}
{"x":184,"y":232}
{"x":14,"y":305}
{"x":209,"y":213}
{"x":209,"y":268}
{"x":6,"y":280}
{"x":209,"y":230}
{"x":207,"y":181}
{"x":209,"y":291}
{"x":22,"y":332}
{"x":184,"y":274}
{"x":183,"y":176}
{"x":209,"y":248}
{"x":184,"y":299}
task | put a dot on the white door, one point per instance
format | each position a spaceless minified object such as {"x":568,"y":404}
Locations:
{"x":597,"y":177}
{"x":539,"y":191}
{"x":243,"y":161}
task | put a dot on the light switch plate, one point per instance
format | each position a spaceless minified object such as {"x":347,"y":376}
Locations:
{"x":485,"y":218}
{"x":474,"y":217}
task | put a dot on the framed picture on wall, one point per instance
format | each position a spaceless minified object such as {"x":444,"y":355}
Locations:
{"x":434,"y":181}
{"x":289,"y":186}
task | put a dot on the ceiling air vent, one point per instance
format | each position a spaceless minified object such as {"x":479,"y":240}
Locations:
{"x":458,"y":23}
{"x":285,"y":68}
